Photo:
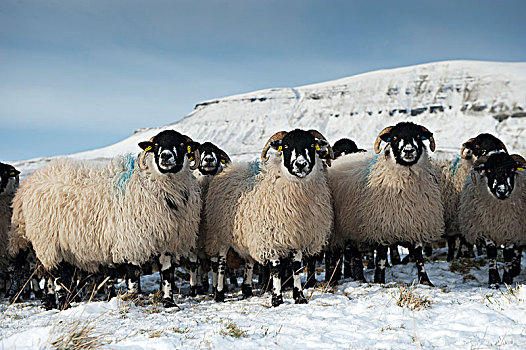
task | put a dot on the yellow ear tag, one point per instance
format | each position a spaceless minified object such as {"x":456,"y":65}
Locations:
{"x":147,"y":148}
{"x":317,"y":147}
{"x":13,"y":173}
{"x":189,"y":149}
{"x":279,"y":149}
{"x":223,"y":161}
{"x":520,"y":169}
{"x":191,"y":158}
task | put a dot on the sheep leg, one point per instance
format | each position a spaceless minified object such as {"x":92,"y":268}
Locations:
{"x":369,"y":256}
{"x":465,"y":249}
{"x":381,"y":262}
{"x":246,"y":287}
{"x":347,"y":261}
{"x":202,"y":279}
{"x":19,"y":276}
{"x":109,"y":286}
{"x":297,"y":292}
{"x":133,"y":279}
{"x":49,"y":301}
{"x":214,"y":263}
{"x":356,"y":264}
{"x":507,"y":276}
{"x":494,"y":277}
{"x":516,"y":261}
{"x":311,"y":271}
{"x":221,"y":267}
{"x":451,"y":246}
{"x":421,"y":270}
{"x":193,"y":274}
{"x":275,"y":269}
{"x":167,"y":279}
{"x":394,"y":254}
{"x":65,"y":285}
{"x":333,"y":268}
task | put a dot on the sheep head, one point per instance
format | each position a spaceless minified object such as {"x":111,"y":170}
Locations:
{"x":169,"y":149}
{"x":212,"y":159}
{"x":482,"y":145}
{"x":406,"y":142}
{"x":9,"y":178}
{"x":500,"y":170}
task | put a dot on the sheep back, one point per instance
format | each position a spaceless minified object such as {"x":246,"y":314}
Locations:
{"x":84,"y":213}
{"x":484,"y":216}
{"x":268,"y":214}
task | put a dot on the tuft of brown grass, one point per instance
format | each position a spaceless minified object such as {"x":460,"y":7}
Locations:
{"x":233,"y":330}
{"x":77,"y":335}
{"x":464,"y":266}
{"x":406,"y":296}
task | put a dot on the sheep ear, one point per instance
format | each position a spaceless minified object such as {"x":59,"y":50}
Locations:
{"x":386,"y":137}
{"x":14,"y":172}
{"x":146,"y":145}
{"x":192,"y":146}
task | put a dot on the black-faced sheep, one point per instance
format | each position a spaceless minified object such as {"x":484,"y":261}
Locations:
{"x":9,"y":180}
{"x":269,"y":211}
{"x":493,"y":207}
{"x":391,"y":198}
{"x":451,"y":175}
{"x":92,"y":213}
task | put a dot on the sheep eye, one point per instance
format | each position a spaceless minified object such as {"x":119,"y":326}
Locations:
{"x":286,"y":146}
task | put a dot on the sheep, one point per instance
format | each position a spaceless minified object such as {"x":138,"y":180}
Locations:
{"x":452,"y":175}
{"x":213,"y":159}
{"x":492,"y":207}
{"x":92,"y":213}
{"x":9,"y":181}
{"x":269,"y":211}
{"x":391,"y":198}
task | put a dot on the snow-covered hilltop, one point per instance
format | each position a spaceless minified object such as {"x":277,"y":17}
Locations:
{"x":454,"y":99}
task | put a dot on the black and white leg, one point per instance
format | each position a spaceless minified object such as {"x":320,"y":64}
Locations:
{"x":133,"y":279}
{"x":507,"y":276}
{"x":246,"y":287}
{"x":347,"y":261}
{"x":494,"y":277}
{"x":214,"y":264}
{"x":311,"y":271}
{"x":297,"y":291}
{"x":333,"y":266}
{"x":275,"y":268}
{"x":167,"y":269}
{"x":356,"y":264}
{"x":49,"y":300}
{"x":193,"y":274}
{"x":369,"y":256}
{"x":221,"y":268}
{"x":394,"y":254}
{"x":19,"y":276}
{"x":381,"y":262}
{"x":465,"y":249}
{"x":516,"y":262}
{"x":451,"y":246}
{"x":421,"y":270}
{"x":110,"y":276}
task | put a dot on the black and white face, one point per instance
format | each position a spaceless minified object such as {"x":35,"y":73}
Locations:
{"x":170,"y":150}
{"x":212,"y":159}
{"x":499,"y":171}
{"x":299,"y":149}
{"x":406,"y":142}
{"x":484,"y":145}
{"x":8,"y":178}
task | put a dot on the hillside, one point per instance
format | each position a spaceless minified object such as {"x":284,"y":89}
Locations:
{"x":454,"y":99}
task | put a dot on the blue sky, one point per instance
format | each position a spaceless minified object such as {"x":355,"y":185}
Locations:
{"x":78,"y":75}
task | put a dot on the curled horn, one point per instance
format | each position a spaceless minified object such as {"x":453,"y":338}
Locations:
{"x":318,"y":135}
{"x":503,"y":146}
{"x":519,"y":159}
{"x":277,"y":136}
{"x":379,"y":140}
{"x":468,"y":152}
{"x":197,"y":156}
{"x":432,"y":144}
{"x":142,"y":156}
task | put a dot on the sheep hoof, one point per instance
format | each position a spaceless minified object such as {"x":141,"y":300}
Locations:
{"x":494,"y":279}
{"x":494,"y":285}
{"x":247,"y":291}
{"x":277,"y":300}
{"x":169,"y":303}
{"x":219,"y":296}
{"x":379,"y":276}
{"x":48,"y":301}
{"x":298,"y":296}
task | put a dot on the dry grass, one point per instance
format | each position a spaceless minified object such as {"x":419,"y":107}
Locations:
{"x":464,"y":266}
{"x":406,"y":296}
{"x":233,"y":330}
{"x":77,"y":335}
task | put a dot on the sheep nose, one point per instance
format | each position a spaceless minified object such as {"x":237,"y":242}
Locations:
{"x":165,"y":156}
{"x":301,"y":164}
{"x":409,"y":150}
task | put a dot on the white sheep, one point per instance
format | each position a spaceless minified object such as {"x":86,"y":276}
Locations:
{"x":493,"y":207}
{"x":93,"y":213}
{"x":270,"y":211}
{"x":389,"y":199}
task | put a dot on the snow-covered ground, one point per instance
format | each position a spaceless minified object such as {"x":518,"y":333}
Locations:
{"x":460,"y":312}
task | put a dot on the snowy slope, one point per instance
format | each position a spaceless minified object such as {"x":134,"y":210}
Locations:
{"x":454,"y":99}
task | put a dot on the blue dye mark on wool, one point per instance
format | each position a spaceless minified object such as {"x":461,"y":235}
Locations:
{"x":254,"y":167}
{"x":454,"y":166}
{"x":371,"y":164}
{"x":124,"y":177}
